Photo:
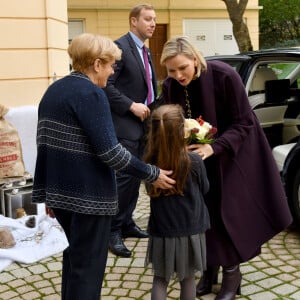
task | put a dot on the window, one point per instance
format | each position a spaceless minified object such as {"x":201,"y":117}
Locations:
{"x":76,"y":27}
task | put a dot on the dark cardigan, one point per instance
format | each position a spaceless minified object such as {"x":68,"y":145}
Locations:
{"x":78,"y":151}
{"x":246,"y":195}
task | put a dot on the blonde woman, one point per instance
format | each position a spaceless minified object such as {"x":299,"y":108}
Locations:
{"x":246,"y":200}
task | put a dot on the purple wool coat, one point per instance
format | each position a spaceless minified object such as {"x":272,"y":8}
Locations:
{"x":246,"y":202}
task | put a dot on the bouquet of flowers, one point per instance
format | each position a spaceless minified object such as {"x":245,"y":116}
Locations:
{"x":198,"y":131}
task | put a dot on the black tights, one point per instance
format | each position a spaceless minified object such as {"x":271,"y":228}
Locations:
{"x":187,"y":288}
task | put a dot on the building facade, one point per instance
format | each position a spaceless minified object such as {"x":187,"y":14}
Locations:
{"x":206,"y":22}
{"x":36,"y":33}
{"x":33,"y":44}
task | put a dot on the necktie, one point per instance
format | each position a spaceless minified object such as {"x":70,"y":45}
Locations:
{"x":147,"y":69}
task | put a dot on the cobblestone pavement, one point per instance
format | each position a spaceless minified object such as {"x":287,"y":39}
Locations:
{"x":275,"y":274}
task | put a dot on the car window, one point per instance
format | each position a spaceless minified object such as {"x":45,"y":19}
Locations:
{"x":273,"y":71}
{"x":287,"y":73}
{"x":288,"y":70}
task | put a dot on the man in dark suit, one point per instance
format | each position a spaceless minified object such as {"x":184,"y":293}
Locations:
{"x":128,"y":93}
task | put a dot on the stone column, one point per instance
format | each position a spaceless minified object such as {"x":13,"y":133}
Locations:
{"x":33,"y":48}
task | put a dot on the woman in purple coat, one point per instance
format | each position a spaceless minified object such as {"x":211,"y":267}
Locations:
{"x":246,"y":201}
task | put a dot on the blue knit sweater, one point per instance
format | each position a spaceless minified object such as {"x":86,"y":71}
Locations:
{"x":78,"y":152}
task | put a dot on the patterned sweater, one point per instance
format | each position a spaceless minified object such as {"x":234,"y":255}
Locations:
{"x":78,"y":152}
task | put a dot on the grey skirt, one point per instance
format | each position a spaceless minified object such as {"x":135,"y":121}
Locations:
{"x":179,"y":257}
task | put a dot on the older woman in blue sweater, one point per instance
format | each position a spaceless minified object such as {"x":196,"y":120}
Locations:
{"x":78,"y":155}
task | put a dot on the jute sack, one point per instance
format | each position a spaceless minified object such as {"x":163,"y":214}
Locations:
{"x":11,"y":158}
{"x":6,"y":238}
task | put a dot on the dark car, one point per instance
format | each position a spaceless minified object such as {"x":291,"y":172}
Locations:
{"x":272,"y":82}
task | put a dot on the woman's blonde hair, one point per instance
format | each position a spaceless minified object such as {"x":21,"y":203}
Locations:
{"x":166,"y":147}
{"x":182,"y":45}
{"x":86,"y":47}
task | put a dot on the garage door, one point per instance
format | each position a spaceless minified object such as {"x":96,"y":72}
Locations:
{"x":211,"y":36}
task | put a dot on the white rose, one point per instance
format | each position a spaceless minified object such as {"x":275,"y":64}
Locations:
{"x":191,"y":124}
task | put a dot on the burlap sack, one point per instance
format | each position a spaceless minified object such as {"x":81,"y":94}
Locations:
{"x":11,"y":159}
{"x":6,"y":239}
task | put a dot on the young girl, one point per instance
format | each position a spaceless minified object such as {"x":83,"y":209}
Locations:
{"x":179,"y":217}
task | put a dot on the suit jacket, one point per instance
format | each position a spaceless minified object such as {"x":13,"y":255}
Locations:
{"x":126,"y":85}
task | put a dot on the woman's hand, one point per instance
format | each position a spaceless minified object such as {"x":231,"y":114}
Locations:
{"x":164,"y":181}
{"x":204,"y":150}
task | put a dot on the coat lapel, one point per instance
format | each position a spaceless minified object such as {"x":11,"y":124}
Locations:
{"x":136,"y":54}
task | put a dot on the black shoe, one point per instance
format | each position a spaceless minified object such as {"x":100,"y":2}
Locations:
{"x":136,"y":232}
{"x":208,"y":278}
{"x":117,"y":247}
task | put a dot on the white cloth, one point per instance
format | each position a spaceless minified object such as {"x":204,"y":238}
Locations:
{"x":32,"y":244}
{"x":46,"y":238}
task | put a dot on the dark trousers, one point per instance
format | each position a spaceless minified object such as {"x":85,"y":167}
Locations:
{"x":128,"y":192}
{"x":84,"y":261}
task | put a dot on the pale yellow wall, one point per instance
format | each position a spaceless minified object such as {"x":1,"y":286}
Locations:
{"x":33,"y":43}
{"x":111,"y":17}
{"x":114,"y":4}
{"x":158,"y":4}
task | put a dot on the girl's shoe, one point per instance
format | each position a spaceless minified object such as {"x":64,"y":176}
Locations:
{"x":209,"y":277}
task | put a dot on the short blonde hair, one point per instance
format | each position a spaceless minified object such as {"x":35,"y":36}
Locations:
{"x":86,"y":47}
{"x":182,"y":45}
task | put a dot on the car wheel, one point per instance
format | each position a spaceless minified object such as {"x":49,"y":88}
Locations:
{"x":295,"y":199}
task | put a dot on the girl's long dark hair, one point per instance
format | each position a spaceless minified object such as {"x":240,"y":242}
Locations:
{"x":166,"y":147}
